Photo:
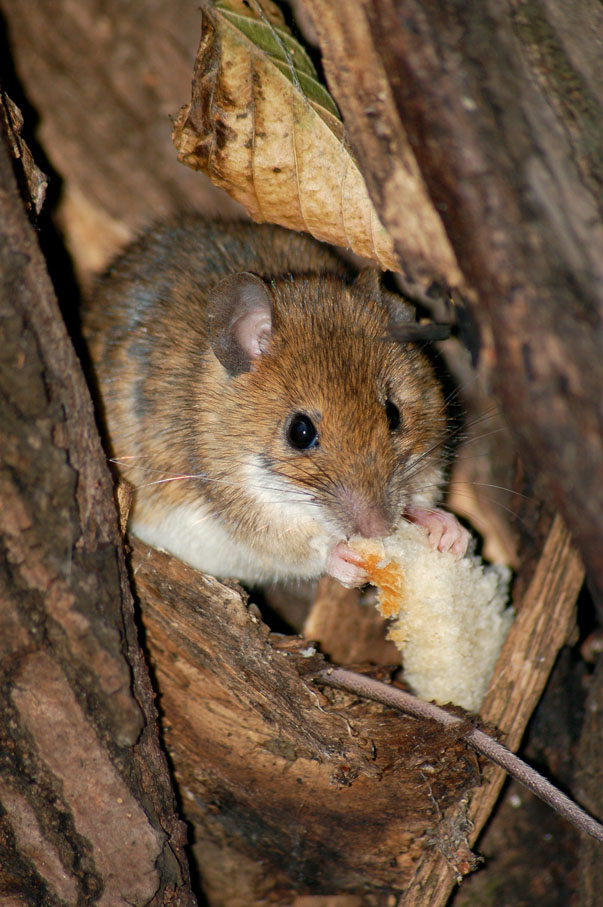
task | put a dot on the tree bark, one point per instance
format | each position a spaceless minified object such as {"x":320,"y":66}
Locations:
{"x":87,"y":804}
{"x":104,"y":83}
{"x":331,"y":794}
{"x":335,"y":795}
{"x":502,"y":107}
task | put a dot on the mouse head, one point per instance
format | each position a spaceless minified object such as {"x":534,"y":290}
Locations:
{"x":334,"y":415}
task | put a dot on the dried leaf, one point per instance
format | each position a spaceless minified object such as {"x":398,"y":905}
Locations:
{"x":263,"y":128}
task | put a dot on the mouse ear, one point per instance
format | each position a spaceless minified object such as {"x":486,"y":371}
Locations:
{"x":369,"y":281}
{"x":239,"y":318}
{"x":399,"y":310}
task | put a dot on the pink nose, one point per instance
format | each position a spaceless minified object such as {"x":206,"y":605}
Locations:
{"x":370,"y":520}
{"x":372,"y":524}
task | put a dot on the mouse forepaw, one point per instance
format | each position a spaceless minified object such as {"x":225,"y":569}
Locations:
{"x":444,"y":531}
{"x":346,"y":566}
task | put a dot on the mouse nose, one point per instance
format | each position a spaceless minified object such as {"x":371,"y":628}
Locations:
{"x":370,"y":519}
{"x":372,"y":524}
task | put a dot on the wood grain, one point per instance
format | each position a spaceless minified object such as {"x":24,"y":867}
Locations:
{"x":87,"y":801}
{"x":331,"y":794}
{"x":545,"y":619}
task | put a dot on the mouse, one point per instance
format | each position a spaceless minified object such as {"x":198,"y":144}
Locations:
{"x":256,"y":401}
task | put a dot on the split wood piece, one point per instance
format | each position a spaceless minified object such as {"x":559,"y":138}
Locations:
{"x":545,"y":619}
{"x":289,"y":789}
{"x":348,"y":631}
{"x":86,"y":802}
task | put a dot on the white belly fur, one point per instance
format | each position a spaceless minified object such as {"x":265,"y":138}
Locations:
{"x":194,"y":535}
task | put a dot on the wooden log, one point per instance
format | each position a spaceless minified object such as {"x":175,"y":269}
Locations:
{"x":327,"y":807}
{"x":501,"y":106}
{"x":103,"y":88}
{"x":301,"y":790}
{"x":87,"y":802}
{"x":105,"y":84}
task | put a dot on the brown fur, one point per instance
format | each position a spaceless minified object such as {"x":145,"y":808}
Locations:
{"x":172,"y":409}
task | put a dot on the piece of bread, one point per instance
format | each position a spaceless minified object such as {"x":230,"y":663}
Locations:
{"x":449,"y":614}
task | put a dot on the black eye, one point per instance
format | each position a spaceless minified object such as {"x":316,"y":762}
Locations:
{"x":393,"y":415}
{"x":302,"y":433}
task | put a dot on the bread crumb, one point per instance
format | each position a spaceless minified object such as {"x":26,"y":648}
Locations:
{"x":450,"y":614}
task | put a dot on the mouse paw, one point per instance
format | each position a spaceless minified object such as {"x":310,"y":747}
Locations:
{"x":444,"y":531}
{"x":346,"y":566}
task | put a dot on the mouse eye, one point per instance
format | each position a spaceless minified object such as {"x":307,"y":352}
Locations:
{"x":302,"y":433}
{"x":393,"y":415}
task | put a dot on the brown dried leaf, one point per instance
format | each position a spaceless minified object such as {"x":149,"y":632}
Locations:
{"x":263,"y":128}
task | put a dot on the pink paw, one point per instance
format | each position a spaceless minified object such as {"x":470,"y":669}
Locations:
{"x":346,"y":566}
{"x":443,"y":529}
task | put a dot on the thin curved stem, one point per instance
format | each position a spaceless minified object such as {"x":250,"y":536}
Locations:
{"x":483,"y":743}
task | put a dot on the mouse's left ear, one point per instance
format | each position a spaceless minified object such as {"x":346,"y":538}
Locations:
{"x":398,"y":309}
{"x":369,"y":281}
{"x":239,"y":318}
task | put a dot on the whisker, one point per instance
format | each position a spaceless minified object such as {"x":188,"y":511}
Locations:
{"x":204,"y":518}
{"x":499,"y":505}
{"x":461,"y":435}
{"x":169,"y":479}
{"x":490,"y":500}
{"x":471,"y":439}
{"x":300,"y":495}
{"x":518,"y":494}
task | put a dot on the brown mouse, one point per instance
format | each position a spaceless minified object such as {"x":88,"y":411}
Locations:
{"x":256,"y":403}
